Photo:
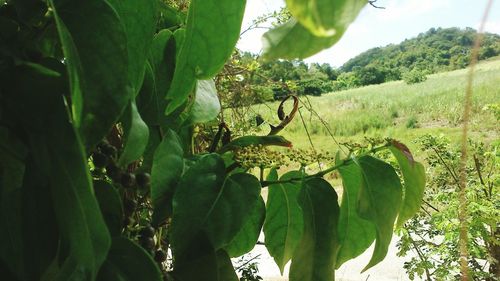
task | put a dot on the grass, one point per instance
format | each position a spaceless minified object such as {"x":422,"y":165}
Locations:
{"x":398,"y":110}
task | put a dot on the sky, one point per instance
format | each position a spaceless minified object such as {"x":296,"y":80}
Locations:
{"x":400,"y":20}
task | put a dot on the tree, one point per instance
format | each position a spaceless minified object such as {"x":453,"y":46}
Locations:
{"x":107,"y":167}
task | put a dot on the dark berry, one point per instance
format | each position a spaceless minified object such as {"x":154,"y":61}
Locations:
{"x":147,"y":231}
{"x":100,"y":160}
{"x":160,"y":256}
{"x":143,"y":179}
{"x":126,"y":221}
{"x":113,"y":172}
{"x":147,"y":243}
{"x":127,"y":180}
{"x":129,"y":206}
{"x":109,"y":150}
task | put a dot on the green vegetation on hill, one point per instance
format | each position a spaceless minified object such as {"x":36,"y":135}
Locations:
{"x":437,"y":50}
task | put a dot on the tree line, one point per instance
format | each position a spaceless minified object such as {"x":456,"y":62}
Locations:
{"x":436,"y":50}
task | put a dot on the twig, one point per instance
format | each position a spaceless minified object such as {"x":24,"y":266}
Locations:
{"x":248,"y":261}
{"x":430,"y":206}
{"x":421,"y":256}
{"x":309,"y":138}
{"x":372,"y":3}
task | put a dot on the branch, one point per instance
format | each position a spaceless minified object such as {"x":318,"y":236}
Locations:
{"x":372,"y":3}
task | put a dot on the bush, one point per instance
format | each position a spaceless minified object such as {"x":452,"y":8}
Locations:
{"x":414,"y":76}
{"x":412,"y":122}
{"x":263,"y":93}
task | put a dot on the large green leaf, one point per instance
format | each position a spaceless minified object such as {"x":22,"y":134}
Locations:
{"x":248,"y":235}
{"x":202,"y":262}
{"x":128,"y":261}
{"x":159,"y":72}
{"x":204,"y":200}
{"x":60,"y":158}
{"x":315,"y":256}
{"x":225,"y":268}
{"x":206,"y":104}
{"x":195,"y":195}
{"x":139,"y":20}
{"x":110,"y":205}
{"x":379,"y":201}
{"x":284,"y":223}
{"x":325,"y":17}
{"x":136,"y":135}
{"x":355,"y":234}
{"x":168,"y":164}
{"x":293,"y":41}
{"x":94,"y":43}
{"x":29,"y":242}
{"x":239,"y":194}
{"x":213,"y":27}
{"x":414,"y":182}
{"x":198,"y":262}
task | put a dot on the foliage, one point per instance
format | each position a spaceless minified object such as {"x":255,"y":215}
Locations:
{"x":436,"y":50}
{"x":109,"y":169}
{"x":414,"y":76}
{"x":433,"y":233}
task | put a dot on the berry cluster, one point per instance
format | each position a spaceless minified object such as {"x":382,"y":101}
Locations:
{"x":137,"y":208}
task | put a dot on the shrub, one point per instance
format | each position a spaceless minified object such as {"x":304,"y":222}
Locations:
{"x":414,"y":76}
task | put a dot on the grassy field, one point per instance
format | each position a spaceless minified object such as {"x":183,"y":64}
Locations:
{"x":398,"y":110}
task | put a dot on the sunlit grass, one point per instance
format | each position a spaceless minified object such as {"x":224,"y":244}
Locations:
{"x":398,"y":110}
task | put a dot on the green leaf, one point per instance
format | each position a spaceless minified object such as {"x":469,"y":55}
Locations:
{"x":194,"y":197}
{"x":355,"y":234}
{"x":136,"y":135}
{"x":205,"y":201}
{"x":27,"y":244}
{"x":168,"y":164}
{"x":315,"y":256}
{"x":128,"y":261}
{"x":60,"y":159}
{"x":284,"y":223}
{"x":206,"y":105}
{"x":255,"y":140}
{"x":414,"y":182}
{"x":197,"y":262}
{"x":151,"y":100}
{"x":213,"y":27}
{"x":110,"y":205}
{"x":139,"y":20}
{"x":293,"y":41}
{"x":147,"y":100}
{"x":379,"y":201}
{"x":97,"y":68}
{"x":325,"y":18}
{"x":155,"y":138}
{"x":225,"y":268}
{"x":248,"y":235}
{"x":239,"y":194}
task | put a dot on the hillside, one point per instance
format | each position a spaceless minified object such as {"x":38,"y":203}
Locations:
{"x":398,"y":110}
{"x":437,"y":50}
